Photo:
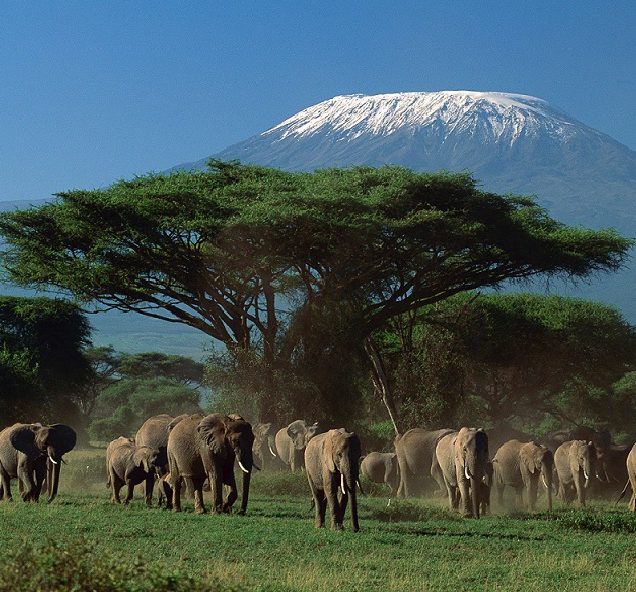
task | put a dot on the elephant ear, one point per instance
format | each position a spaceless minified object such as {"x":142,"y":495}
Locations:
{"x":65,"y":437}
{"x":23,"y":440}
{"x":212,"y":431}
{"x":527,"y":461}
{"x":140,"y":458}
{"x":328,"y":451}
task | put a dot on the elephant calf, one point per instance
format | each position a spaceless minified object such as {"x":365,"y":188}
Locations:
{"x":382,"y":467}
{"x":332,"y":462}
{"x":575,"y":462}
{"x":129,"y":464}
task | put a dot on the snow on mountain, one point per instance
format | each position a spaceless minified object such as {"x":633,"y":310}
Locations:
{"x":503,"y":116}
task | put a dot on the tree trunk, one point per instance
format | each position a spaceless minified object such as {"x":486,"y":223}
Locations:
{"x":381,"y":381}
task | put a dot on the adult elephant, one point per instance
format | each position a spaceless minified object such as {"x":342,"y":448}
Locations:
{"x":332,"y":463}
{"x":31,"y":453}
{"x":207,"y":447}
{"x":630,"y":465}
{"x":265,"y":445}
{"x":129,"y":464}
{"x":463,"y":460}
{"x":520,"y":466}
{"x":154,"y":433}
{"x":415,"y":451}
{"x":382,"y":467}
{"x":575,"y":462}
{"x":292,"y":440}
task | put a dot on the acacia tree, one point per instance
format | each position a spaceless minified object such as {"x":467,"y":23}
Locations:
{"x":251,"y":255}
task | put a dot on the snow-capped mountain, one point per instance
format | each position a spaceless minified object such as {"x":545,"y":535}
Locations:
{"x":510,"y":142}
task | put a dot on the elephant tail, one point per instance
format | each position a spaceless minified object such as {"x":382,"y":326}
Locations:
{"x":620,"y":497}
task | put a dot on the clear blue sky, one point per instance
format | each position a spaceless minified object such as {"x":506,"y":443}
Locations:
{"x":95,"y":91}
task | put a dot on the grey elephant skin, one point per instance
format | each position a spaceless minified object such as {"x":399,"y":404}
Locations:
{"x":264,"y":448}
{"x":129,"y":464}
{"x":521,"y":466}
{"x":463,"y":460}
{"x":33,"y":453}
{"x":292,"y":440}
{"x":207,"y":447}
{"x":382,"y":467}
{"x":575,"y":462}
{"x":419,"y":471}
{"x":630,"y":465}
{"x":332,"y":463}
{"x":154,"y":433}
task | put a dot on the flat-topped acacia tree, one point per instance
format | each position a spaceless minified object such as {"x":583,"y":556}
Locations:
{"x":248,"y":254}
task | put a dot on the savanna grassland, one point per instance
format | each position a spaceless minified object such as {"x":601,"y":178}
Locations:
{"x":83,"y":542}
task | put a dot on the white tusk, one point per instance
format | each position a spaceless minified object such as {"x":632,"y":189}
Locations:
{"x":240,"y":464}
{"x":51,"y":459}
{"x":466,"y":473}
{"x":587,"y":477}
{"x":272,"y":452}
{"x":544,"y":482}
{"x":342,"y":485}
{"x":389,"y":503}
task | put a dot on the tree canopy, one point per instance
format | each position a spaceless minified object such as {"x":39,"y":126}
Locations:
{"x":252,"y":256}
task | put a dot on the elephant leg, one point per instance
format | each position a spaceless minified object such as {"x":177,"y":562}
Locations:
{"x":195,"y":485}
{"x":177,"y":483}
{"x":579,"y":483}
{"x":150,"y":484}
{"x":26,"y":479}
{"x":166,"y":491}
{"x":130,"y":488}
{"x":632,"y":503}
{"x":216,"y":487}
{"x":320,"y":504}
{"x":500,"y":493}
{"x":519,"y":498}
{"x":5,"y":484}
{"x":344,"y":498}
{"x":116,"y":485}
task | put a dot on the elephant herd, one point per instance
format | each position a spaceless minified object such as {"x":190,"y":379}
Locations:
{"x":195,"y":451}
{"x":458,"y":464}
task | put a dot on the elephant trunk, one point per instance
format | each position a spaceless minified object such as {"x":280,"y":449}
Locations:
{"x":546,"y":476}
{"x":52,"y":486}
{"x":475,"y":492}
{"x":349,"y":477}
{"x":246,"y":463}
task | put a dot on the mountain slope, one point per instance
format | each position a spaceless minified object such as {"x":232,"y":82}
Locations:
{"x":510,"y":142}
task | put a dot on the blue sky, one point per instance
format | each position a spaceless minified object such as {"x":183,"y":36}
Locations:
{"x":95,"y":91}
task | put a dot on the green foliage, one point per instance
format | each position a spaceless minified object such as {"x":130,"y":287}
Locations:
{"x":505,"y":357}
{"x":124,"y":405}
{"x":257,"y":257}
{"x":42,"y":362}
{"x":52,"y":565}
{"x":156,"y":364}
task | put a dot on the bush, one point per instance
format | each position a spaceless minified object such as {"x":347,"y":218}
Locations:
{"x":77,"y":566}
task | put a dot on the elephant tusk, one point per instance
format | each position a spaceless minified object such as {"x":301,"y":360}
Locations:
{"x":271,"y":451}
{"x":240,"y":464}
{"x":342,"y":484}
{"x":544,"y":481}
{"x":51,"y":459}
{"x":389,"y":503}
{"x":587,"y":477}
{"x":360,"y":486}
{"x":466,"y":474}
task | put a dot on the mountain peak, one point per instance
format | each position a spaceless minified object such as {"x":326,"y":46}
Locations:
{"x":501,"y":116}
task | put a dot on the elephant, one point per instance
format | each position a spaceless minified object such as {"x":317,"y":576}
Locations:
{"x":207,"y":447}
{"x":332,"y":461}
{"x":265,"y":445}
{"x":382,"y":467}
{"x":519,"y":465}
{"x":463,"y":458}
{"x":33,"y":453}
{"x":484,"y":490}
{"x":630,"y":465}
{"x":129,"y":464}
{"x":415,"y":451}
{"x":575,"y":462}
{"x":292,"y":440}
{"x":154,"y":433}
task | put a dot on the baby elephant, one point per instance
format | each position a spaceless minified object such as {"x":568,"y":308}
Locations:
{"x":382,"y":467}
{"x":128,"y":464}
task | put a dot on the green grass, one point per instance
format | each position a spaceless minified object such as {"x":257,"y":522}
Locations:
{"x":411,"y":545}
